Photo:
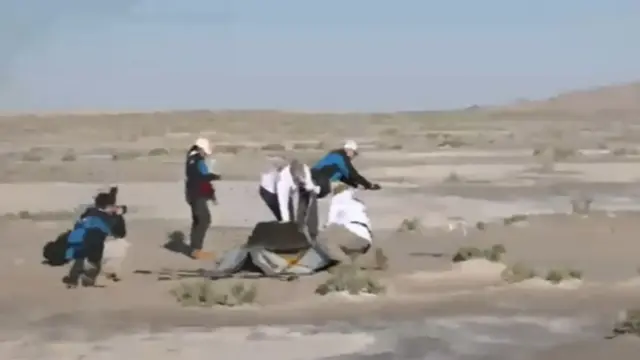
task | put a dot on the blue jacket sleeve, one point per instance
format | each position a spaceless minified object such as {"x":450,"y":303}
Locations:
{"x":353,"y":177}
{"x":202,"y":171}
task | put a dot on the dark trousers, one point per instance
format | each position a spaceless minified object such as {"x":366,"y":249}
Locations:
{"x":90,"y":254}
{"x":307,"y":216}
{"x":271,"y":200}
{"x":200,"y":221}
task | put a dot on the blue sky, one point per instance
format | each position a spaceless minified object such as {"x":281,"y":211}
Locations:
{"x":348,"y":55}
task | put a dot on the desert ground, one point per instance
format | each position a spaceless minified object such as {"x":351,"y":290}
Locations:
{"x":554,"y":182}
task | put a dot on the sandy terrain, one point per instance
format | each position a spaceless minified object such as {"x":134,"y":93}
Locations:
{"x":448,"y":171}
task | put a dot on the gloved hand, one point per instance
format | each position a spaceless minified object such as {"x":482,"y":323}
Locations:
{"x":375,"y":187}
{"x":312,"y":188}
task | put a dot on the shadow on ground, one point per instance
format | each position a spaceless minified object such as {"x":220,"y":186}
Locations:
{"x":436,"y":255}
{"x":176,"y":243}
{"x":179,"y":274}
{"x":173,"y":274}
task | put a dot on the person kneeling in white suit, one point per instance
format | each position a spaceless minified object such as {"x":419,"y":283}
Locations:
{"x":347,"y":237}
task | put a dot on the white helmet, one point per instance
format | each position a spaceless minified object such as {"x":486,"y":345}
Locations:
{"x":351,"y":145}
{"x":204,"y":145}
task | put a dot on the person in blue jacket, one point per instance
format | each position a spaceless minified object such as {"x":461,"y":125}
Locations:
{"x":199,"y":191}
{"x":335,"y":166}
{"x":85,"y":242}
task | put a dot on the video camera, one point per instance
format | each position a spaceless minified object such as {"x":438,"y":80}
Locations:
{"x":110,"y":198}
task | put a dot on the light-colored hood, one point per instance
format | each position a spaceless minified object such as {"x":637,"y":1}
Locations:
{"x":345,"y":207}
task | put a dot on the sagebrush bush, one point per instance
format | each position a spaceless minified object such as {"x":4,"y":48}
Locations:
{"x":158,"y":152}
{"x":451,"y":142}
{"x":69,"y":156}
{"x":408,"y":225}
{"x":494,"y":253}
{"x":627,"y":324}
{"x":207,"y":293}
{"x":517,"y":272}
{"x":273,"y":147}
{"x":351,"y":279}
{"x":556,"y":276}
{"x":514,"y":219}
{"x":581,"y":205}
{"x":125,"y":155}
{"x":453,"y":177}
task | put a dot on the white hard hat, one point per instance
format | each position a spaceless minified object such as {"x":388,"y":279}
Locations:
{"x":351,"y":145}
{"x":204,"y":144}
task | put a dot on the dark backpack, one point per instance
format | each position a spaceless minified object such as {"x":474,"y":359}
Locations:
{"x":54,"y":251}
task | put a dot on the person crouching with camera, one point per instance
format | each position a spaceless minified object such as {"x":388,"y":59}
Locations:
{"x":86,"y":242}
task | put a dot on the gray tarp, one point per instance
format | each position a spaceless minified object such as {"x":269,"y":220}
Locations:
{"x":274,"y":249}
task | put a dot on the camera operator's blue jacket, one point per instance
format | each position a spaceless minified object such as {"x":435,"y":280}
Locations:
{"x":93,"y":227}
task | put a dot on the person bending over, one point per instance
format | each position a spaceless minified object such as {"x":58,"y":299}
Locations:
{"x":348,"y":237}
{"x":267,"y":189}
{"x":85,"y":243}
{"x":335,"y":166}
{"x":199,"y":191}
{"x":278,"y":187}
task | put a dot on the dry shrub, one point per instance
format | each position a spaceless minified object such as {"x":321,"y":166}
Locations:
{"x":158,"y":152}
{"x":493,"y":254}
{"x":33,"y":155}
{"x":556,"y":276}
{"x":206,"y":293}
{"x":628,"y":324}
{"x":562,"y":153}
{"x":546,"y":158}
{"x":391,"y":131}
{"x":433,"y":135}
{"x":453,"y":178}
{"x":350,"y":278}
{"x":517,"y":273}
{"x":409,"y":225}
{"x":581,"y":205}
{"x":125,"y":155}
{"x":273,"y":147}
{"x":623,"y":151}
{"x":514,"y":219}
{"x":449,"y":141}
{"x":548,"y":155}
{"x":69,"y":156}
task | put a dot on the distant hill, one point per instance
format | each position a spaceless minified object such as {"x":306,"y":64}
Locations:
{"x":621,"y":99}
{"x":624,"y":98}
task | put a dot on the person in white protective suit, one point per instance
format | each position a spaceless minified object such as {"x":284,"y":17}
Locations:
{"x":348,"y":236}
{"x":279,"y":185}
